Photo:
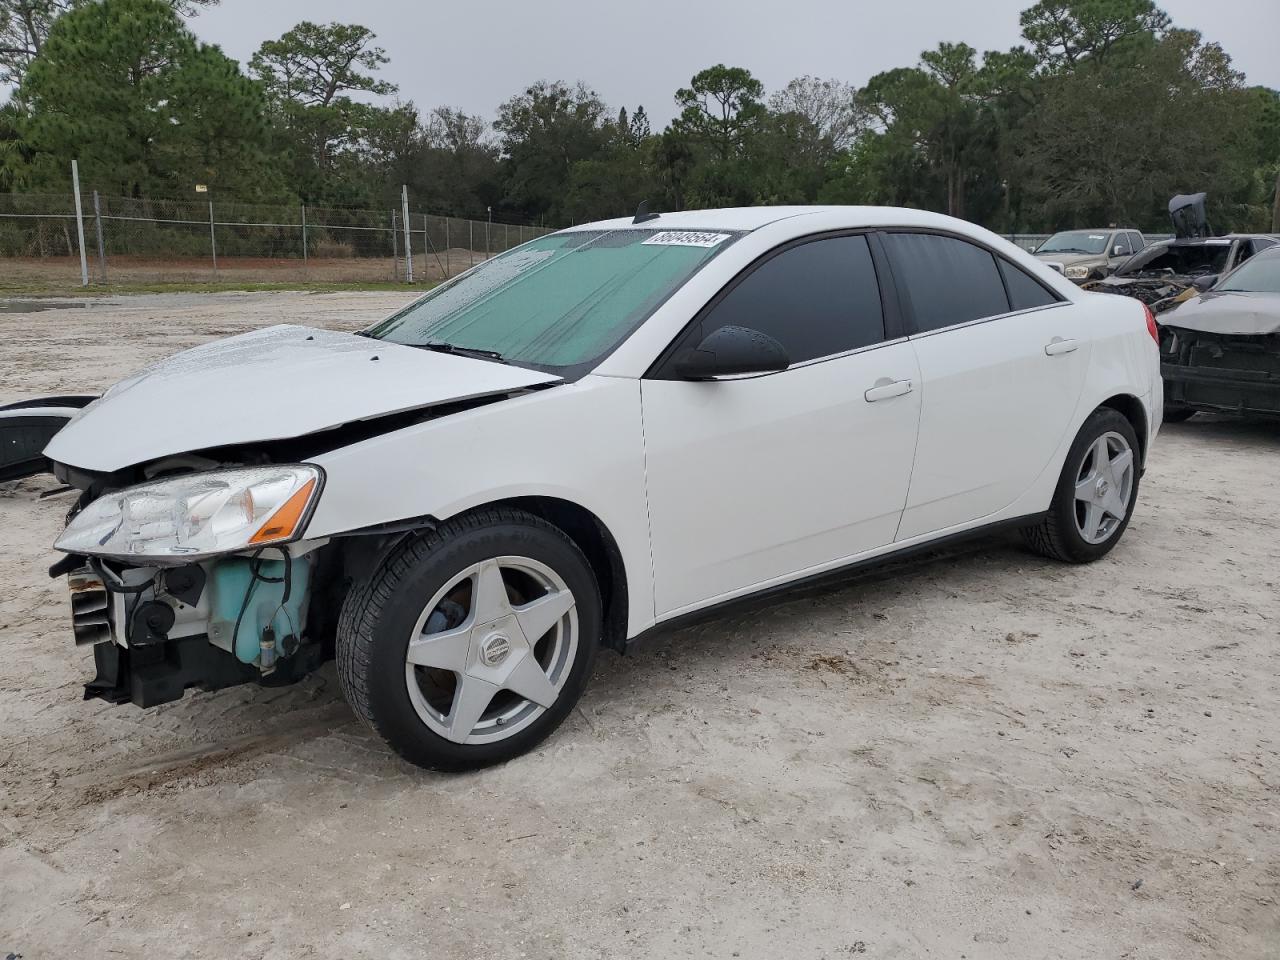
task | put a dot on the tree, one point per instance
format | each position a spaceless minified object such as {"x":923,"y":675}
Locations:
{"x":720,"y":109}
{"x":314,"y":65}
{"x":1063,"y":33}
{"x":1113,"y":140}
{"x":938,"y":110}
{"x":308,"y":73}
{"x":544,"y":131}
{"x":830,"y":108}
{"x":25,"y":24}
{"x":163,"y":111}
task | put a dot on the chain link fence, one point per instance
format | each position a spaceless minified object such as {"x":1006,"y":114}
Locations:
{"x":141,"y":241}
{"x":138,"y":242}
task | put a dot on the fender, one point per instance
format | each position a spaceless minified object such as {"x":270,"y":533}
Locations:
{"x":554,"y":443}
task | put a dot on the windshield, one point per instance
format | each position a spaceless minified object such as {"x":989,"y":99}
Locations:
{"x":556,"y":302}
{"x":1189,"y":260}
{"x":1257,"y":275}
{"x":1075,"y":241}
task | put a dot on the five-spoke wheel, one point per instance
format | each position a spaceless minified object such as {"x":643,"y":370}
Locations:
{"x":1095,"y":494}
{"x":492,"y":649}
{"x":472,"y":642}
{"x":1103,"y":484}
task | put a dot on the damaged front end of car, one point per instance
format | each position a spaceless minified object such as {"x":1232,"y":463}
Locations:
{"x":186,"y":553}
{"x":1165,"y":274}
{"x":198,"y":579}
{"x":1237,"y":374}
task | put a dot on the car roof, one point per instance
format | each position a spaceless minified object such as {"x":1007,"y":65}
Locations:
{"x":746,"y":219}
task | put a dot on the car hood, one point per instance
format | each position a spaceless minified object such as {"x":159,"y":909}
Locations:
{"x":273,"y":384}
{"x":1227,"y":311}
{"x":1072,"y":259}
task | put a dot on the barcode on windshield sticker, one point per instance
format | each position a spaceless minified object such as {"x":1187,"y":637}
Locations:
{"x":687,"y":238}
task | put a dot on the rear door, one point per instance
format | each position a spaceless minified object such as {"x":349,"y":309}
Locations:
{"x":756,"y":480}
{"x":1002,"y":368}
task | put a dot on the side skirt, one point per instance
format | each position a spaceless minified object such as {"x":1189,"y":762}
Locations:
{"x":828,"y":578}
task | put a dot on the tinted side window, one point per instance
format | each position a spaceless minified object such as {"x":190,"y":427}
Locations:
{"x":1136,"y":240}
{"x":1121,"y":241}
{"x":1025,"y":291}
{"x":946,"y":281}
{"x":816,"y":299}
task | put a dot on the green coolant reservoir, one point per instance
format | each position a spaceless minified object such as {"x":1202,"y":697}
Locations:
{"x":233,"y":587}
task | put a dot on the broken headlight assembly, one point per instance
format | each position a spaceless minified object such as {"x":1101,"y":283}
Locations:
{"x":1079,"y":273}
{"x":197,"y":515}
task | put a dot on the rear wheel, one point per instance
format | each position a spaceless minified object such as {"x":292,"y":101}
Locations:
{"x":1095,"y":494}
{"x":472,"y":643}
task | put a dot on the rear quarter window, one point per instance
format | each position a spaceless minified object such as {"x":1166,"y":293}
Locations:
{"x":1025,"y":291}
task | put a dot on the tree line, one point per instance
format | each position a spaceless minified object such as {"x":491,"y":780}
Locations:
{"x":1104,"y":111}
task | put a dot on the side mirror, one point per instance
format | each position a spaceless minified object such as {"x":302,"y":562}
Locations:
{"x":730,"y":351}
{"x":1118,"y":251}
{"x":1205,"y":283}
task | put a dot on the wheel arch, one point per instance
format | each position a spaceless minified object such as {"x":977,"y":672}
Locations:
{"x":590,"y":534}
{"x":1131,"y":408}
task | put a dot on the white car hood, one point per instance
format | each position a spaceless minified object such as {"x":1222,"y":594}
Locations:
{"x":272,"y":384}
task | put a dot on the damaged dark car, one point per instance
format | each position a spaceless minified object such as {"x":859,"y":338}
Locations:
{"x":1169,"y":273}
{"x":1220,"y":351}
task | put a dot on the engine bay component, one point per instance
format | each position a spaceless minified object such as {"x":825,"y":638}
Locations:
{"x":253,"y":600}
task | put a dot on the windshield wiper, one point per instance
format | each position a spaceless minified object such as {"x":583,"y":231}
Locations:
{"x":438,"y":346}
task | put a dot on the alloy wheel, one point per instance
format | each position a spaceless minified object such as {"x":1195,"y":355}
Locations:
{"x":1104,"y":484}
{"x":492,"y":650}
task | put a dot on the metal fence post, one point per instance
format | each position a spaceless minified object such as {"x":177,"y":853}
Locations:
{"x":304,"y":239}
{"x":446,"y":248}
{"x":213,"y":242}
{"x":408,"y":235}
{"x":84,"y":262}
{"x":395,"y":249}
{"x":506,"y":237}
{"x":102,"y":247}
{"x":471,"y":241}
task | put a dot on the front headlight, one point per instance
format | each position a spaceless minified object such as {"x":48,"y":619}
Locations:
{"x":1078,"y":273}
{"x":198,"y":515}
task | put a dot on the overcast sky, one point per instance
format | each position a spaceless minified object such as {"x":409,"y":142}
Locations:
{"x":474,"y":55}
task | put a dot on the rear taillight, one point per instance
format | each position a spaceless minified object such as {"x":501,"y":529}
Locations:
{"x":1151,"y":325}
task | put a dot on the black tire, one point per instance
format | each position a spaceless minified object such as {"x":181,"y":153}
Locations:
{"x":379,"y":615}
{"x":1176,"y":414}
{"x":1056,"y":536}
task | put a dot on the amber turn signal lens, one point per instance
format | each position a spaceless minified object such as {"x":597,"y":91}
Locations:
{"x":282,"y":524}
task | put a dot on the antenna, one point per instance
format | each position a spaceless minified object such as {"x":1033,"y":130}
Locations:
{"x":642,"y":213}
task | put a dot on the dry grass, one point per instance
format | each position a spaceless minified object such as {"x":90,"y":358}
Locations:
{"x":62,"y":274}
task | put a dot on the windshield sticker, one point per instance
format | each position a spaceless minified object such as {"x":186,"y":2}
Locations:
{"x":687,"y":238}
{"x":1097,"y":236}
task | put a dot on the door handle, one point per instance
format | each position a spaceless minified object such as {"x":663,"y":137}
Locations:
{"x":1057,"y":347}
{"x":886,"y":388}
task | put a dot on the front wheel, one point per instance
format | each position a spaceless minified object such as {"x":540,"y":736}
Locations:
{"x":471,"y":643}
{"x":1095,"y":494}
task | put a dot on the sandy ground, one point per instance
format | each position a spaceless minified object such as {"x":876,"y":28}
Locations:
{"x":982,"y":754}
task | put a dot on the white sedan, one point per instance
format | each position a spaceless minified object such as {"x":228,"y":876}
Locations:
{"x":601,"y":433}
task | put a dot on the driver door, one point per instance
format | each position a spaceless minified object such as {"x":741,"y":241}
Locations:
{"x":759,"y":479}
